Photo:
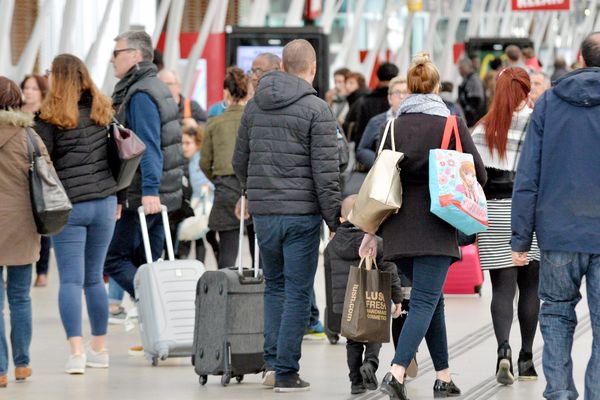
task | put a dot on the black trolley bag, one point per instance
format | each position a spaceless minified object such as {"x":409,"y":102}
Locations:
{"x":335,"y":292}
{"x":229,"y":329}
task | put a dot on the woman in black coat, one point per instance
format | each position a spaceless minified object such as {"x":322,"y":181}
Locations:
{"x":420,"y":242}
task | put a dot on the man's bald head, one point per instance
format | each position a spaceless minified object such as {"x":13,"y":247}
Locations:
{"x":169,"y":77}
{"x":590,"y":50}
{"x":299,"y":58}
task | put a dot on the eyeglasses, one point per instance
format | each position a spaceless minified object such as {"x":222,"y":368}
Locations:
{"x":256,"y":71}
{"x":398,"y":93}
{"x":116,"y":52}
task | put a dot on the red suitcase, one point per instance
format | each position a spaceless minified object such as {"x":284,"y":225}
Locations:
{"x":465,"y":276}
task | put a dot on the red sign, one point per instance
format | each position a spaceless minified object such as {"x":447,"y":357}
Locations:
{"x":541,"y":5}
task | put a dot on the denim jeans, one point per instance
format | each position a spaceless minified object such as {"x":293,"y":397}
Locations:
{"x":19,"y":303}
{"x":560,"y":280}
{"x":426,"y":318}
{"x":289,"y":245}
{"x":115,"y":292}
{"x":41,"y":266}
{"x":80,"y":252}
{"x":126,"y":250}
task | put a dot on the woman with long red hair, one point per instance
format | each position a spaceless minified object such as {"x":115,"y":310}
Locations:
{"x":499,"y":137}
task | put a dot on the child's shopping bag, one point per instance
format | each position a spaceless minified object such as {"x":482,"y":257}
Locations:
{"x":456,"y":196}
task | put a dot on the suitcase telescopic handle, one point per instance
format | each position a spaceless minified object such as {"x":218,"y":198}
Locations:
{"x":146,"y":237}
{"x":241,"y":241}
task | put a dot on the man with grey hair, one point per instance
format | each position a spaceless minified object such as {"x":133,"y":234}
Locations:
{"x":286,"y":157}
{"x":539,"y":84}
{"x":188,"y":108}
{"x":262,"y":64}
{"x":144,"y":104}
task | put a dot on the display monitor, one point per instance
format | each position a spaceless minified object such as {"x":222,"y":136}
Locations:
{"x":246,"y":54}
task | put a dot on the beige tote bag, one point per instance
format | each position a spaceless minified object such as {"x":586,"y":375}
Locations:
{"x":381,"y":192}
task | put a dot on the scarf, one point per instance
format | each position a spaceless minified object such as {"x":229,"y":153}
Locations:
{"x":139,"y":71}
{"x":431,"y":104}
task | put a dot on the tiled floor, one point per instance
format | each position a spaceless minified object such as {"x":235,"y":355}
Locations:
{"x":470,"y":336}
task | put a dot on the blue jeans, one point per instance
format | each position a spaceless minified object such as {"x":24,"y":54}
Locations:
{"x":80,"y":250}
{"x":115,"y":292}
{"x":289,"y":245}
{"x":126,"y":251}
{"x":19,"y":302}
{"x":560,"y":280}
{"x":426,"y":318}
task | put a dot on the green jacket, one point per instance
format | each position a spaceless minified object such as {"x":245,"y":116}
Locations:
{"x":219,"y":143}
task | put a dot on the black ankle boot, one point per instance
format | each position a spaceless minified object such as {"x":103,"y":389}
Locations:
{"x":445,"y":389}
{"x":504,"y":369}
{"x":394,"y":389}
{"x":526,"y":369}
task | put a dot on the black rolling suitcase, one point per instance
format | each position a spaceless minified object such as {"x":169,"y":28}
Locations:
{"x":228,"y":334}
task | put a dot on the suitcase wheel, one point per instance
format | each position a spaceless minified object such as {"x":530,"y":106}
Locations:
{"x":333,"y":338}
{"x":154,"y":361}
{"x":239,"y":378}
{"x":225,"y":379}
{"x":203,"y":379}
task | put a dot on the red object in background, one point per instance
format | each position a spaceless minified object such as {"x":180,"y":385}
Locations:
{"x":458,"y":50}
{"x":312,"y":9}
{"x":372,"y":80}
{"x":214,"y":54}
{"x":541,"y":5}
{"x":465,"y":275}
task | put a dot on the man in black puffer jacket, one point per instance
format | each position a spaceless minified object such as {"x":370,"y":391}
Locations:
{"x":286,"y":156}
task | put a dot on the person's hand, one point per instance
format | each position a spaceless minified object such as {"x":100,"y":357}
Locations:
{"x":519,"y":258}
{"x":329,"y":96}
{"x":331,"y":235}
{"x":118,"y":212}
{"x":397,"y":310}
{"x":238,"y":209}
{"x":151,"y":204}
{"x":368,"y":247}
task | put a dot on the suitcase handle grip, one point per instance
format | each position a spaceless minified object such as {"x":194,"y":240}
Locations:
{"x":241,"y":246}
{"x":146,"y":237}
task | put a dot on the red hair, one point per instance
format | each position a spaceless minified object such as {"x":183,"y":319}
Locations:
{"x":512,"y":88}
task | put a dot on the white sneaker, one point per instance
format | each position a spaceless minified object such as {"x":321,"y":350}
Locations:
{"x":96,"y":359}
{"x":76,"y":364}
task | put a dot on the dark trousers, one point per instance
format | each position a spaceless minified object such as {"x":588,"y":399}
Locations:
{"x":229,"y":245}
{"x":126,"y":250}
{"x":354,"y":356}
{"x":314,"y":310}
{"x":290,"y":249}
{"x":41,"y":267}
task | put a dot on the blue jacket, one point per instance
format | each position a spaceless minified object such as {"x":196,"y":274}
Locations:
{"x":557,"y":187}
{"x":366,"y":152}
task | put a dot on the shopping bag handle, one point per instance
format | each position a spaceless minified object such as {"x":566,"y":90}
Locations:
{"x":389,"y":127}
{"x":369,"y":261}
{"x":451,"y":128}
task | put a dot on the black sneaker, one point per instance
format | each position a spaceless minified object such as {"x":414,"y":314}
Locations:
{"x":504,"y":369}
{"x":526,"y":368}
{"x":367,"y":371}
{"x":290,"y":385}
{"x":358,"y":388}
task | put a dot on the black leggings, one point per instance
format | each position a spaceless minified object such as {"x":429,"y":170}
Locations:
{"x":504,"y":287}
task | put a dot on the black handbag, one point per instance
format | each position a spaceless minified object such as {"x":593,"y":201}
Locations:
{"x":125,"y":152}
{"x":49,"y":201}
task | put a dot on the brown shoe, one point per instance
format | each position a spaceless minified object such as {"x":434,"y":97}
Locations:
{"x":22,"y":373}
{"x":41,"y":280}
{"x":3,"y":381}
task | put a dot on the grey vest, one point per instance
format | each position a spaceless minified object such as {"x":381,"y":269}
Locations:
{"x":171,"y":193}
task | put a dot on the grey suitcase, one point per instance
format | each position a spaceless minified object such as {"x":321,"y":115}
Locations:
{"x":228,"y":337}
{"x":165,"y":293}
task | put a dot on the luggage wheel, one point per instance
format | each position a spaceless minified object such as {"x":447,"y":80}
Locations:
{"x":239,"y":378}
{"x":225,"y":379}
{"x":203,"y":379}
{"x":154,"y":361}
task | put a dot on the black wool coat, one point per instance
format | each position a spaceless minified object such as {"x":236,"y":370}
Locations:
{"x":414,"y":230}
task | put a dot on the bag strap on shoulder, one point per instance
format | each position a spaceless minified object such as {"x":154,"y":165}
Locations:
{"x":388,"y":127}
{"x":32,"y":145}
{"x":450,"y":128}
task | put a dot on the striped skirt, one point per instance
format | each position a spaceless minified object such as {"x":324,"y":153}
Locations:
{"x":494,"y":244}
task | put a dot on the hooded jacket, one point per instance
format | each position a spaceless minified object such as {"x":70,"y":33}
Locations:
{"x":19,"y":240}
{"x":557,"y":186}
{"x":286,"y":151}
